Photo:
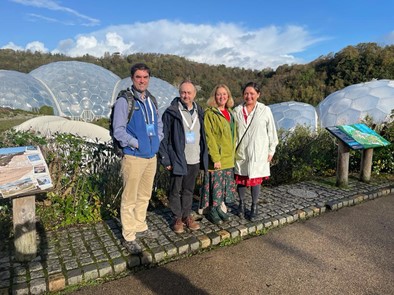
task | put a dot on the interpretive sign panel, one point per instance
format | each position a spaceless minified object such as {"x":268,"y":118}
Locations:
{"x":358,"y":136}
{"x":23,"y":171}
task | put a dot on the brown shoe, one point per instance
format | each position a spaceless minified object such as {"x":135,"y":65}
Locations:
{"x":191,"y":223}
{"x":178,"y":226}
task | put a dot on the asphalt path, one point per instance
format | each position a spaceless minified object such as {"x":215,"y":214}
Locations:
{"x":349,"y":251}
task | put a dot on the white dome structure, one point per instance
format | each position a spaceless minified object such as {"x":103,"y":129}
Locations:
{"x":50,"y":125}
{"x":24,"y":92}
{"x":289,"y":114}
{"x":162,"y":90}
{"x":353,"y":103}
{"x":83,"y":90}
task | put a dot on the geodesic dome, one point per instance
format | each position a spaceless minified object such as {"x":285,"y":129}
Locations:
{"x":162,"y":90}
{"x":83,"y":90}
{"x":24,"y":92}
{"x":289,"y":114}
{"x":353,"y":103}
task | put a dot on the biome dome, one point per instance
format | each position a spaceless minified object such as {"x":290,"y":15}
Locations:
{"x":289,"y":114}
{"x":353,"y":103}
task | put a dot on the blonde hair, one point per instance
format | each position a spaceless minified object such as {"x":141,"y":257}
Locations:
{"x":212,"y":101}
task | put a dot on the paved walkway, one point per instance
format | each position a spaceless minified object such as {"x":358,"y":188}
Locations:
{"x":84,"y":253}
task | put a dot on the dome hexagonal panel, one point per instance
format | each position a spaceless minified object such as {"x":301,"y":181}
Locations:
{"x":289,"y":114}
{"x":84,"y":90}
{"x":353,"y":103}
{"x":22,"y":91}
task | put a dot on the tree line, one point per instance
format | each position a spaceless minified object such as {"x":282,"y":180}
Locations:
{"x":309,"y":83}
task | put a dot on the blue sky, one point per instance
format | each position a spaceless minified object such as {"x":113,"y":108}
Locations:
{"x":253,"y":34}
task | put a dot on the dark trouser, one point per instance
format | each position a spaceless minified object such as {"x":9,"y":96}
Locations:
{"x":182,"y":190}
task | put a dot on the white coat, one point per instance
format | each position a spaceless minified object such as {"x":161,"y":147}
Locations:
{"x":259,"y":141}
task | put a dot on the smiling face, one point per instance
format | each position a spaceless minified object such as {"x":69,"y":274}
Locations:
{"x":221,"y":97}
{"x":187,"y":93}
{"x":140,"y":80}
{"x":250,"y":96}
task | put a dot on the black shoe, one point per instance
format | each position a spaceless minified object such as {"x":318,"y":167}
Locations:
{"x":147,"y":234}
{"x":253,"y":212}
{"x":223,"y":216}
{"x":213,"y":216}
{"x":241,"y":210}
{"x":132,"y":247}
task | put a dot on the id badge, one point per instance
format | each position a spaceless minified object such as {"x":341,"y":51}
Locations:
{"x":150,"y":129}
{"x":190,"y":137}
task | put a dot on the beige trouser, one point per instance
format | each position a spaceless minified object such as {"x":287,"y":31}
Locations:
{"x":138,"y":175}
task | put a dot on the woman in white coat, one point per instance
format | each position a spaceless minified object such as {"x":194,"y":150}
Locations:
{"x":256,"y":142}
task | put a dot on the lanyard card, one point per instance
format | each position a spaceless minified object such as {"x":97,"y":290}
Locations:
{"x":150,"y":129}
{"x":190,"y":137}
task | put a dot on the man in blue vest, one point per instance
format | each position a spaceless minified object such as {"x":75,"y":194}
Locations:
{"x":140,"y":139}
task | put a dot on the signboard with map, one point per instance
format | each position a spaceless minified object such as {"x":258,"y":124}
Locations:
{"x":23,"y":171}
{"x":358,"y":136}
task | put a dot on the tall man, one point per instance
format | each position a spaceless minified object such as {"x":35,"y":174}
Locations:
{"x":140,"y":139}
{"x":183,"y":152}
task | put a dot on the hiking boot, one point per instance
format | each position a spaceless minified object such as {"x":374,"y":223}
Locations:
{"x":178,"y":226}
{"x":213,"y":216}
{"x":191,"y":224}
{"x":223,"y":216}
{"x":253,"y":212}
{"x":132,"y":247}
{"x":147,"y":234}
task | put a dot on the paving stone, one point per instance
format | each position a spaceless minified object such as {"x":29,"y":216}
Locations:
{"x":37,"y":274}
{"x":120,"y":264}
{"x":243,"y":230}
{"x":56,"y":282}
{"x":224,"y":234}
{"x":214,"y":237}
{"x":20,"y":289}
{"x":38,"y":286}
{"x":194,"y":243}
{"x":182,"y":246}
{"x":170,"y":249}
{"x":234,"y":232}
{"x":90,"y":272}
{"x":74,"y":276}
{"x":104,"y":269}
{"x":158,"y":253}
{"x":5,"y":275}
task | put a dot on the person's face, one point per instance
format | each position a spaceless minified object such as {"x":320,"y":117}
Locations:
{"x":187,"y":93}
{"x":140,"y":80}
{"x":221,"y":97}
{"x":250,"y":96}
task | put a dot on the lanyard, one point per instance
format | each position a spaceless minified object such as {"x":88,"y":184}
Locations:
{"x":186,"y":122}
{"x":144,"y":111}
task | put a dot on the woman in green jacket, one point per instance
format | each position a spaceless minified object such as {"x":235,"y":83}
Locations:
{"x":220,"y":129}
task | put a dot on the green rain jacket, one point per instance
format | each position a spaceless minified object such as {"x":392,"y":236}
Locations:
{"x":221,"y":138}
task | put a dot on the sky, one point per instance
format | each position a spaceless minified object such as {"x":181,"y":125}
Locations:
{"x":253,"y":34}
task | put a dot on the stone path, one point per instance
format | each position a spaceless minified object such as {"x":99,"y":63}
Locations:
{"x":79,"y":254}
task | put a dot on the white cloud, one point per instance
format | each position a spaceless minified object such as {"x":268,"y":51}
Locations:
{"x":32,"y":46}
{"x":36,"y":46}
{"x":224,"y":43}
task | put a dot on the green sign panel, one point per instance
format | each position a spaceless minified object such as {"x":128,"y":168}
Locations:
{"x":358,"y":136}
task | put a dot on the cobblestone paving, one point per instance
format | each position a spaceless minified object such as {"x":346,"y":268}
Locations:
{"x":71,"y":256}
